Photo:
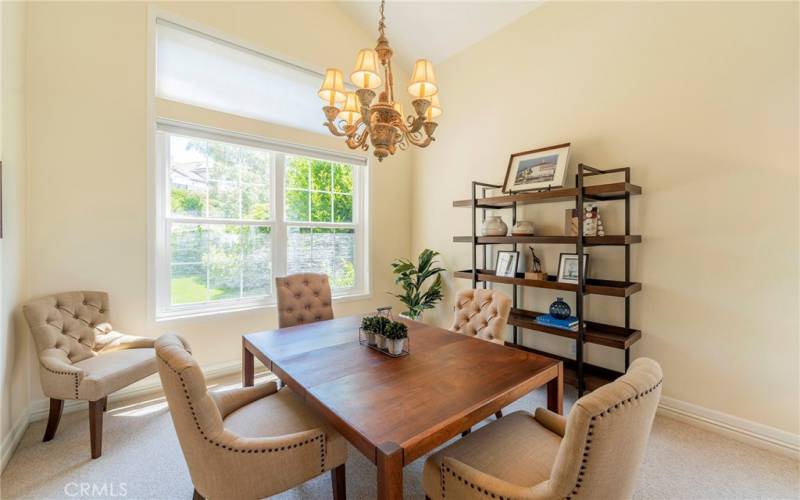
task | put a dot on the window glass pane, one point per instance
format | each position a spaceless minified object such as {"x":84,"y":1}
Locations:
{"x":257,"y":268}
{"x":320,"y":207}
{"x":323,"y":250}
{"x":255,"y":202}
{"x":321,"y":175}
{"x":222,"y":164}
{"x":342,"y":178}
{"x":342,"y":208}
{"x":188,"y":175}
{"x":224,"y":262}
{"x":296,"y":205}
{"x":344,"y":275}
{"x":223,"y":200}
{"x":297,"y":170}
{"x":189,"y":246}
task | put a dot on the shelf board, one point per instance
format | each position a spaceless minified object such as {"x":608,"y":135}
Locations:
{"x":612,"y":191}
{"x":595,"y":333}
{"x":620,"y":239}
{"x":593,"y":286}
{"x":593,"y":376}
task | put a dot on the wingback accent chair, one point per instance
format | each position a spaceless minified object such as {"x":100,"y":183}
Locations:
{"x":482,"y":313}
{"x":82,"y":357}
{"x":303,"y":298}
{"x":245,"y":443}
{"x":595,"y":453}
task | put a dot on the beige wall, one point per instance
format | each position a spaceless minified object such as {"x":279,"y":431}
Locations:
{"x":88,"y":156}
{"x":14,"y":367}
{"x":701,"y":100}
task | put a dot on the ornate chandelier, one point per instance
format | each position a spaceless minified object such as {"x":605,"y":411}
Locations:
{"x":382,"y":122}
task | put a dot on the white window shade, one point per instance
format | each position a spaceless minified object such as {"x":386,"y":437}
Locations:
{"x":205,"y":71}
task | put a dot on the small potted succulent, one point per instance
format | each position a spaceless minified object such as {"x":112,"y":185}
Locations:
{"x":369,"y":325}
{"x":396,"y":334}
{"x":381,"y":324}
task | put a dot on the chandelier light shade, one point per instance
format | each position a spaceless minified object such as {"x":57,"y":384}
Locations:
{"x":365,"y":75}
{"x":332,"y":89}
{"x":363,"y":120}
{"x":423,"y":82}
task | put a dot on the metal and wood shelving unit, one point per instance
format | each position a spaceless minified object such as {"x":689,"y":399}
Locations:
{"x":578,"y":373}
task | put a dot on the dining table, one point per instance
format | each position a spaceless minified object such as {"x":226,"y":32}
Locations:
{"x":395,"y":410}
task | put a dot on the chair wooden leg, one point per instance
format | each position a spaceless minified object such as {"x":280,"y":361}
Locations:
{"x":56,"y":408}
{"x":466,"y":432}
{"x":197,"y":496}
{"x":105,"y":403}
{"x":499,"y":414}
{"x":96,"y":426}
{"x":339,"y":483}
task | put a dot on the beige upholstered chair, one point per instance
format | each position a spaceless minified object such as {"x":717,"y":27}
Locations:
{"x":303,"y":298}
{"x":482,"y":313}
{"x":245,"y":443}
{"x":595,"y":453}
{"x":82,"y":357}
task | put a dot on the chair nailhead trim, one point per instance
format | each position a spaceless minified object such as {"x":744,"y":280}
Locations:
{"x":319,"y":437}
{"x":486,"y":492}
{"x":74,"y":376}
{"x":586,"y":447}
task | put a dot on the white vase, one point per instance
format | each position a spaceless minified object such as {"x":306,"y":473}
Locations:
{"x":396,"y":346}
{"x":494,"y":226}
{"x":406,"y":315}
{"x":522,"y":228}
{"x":380,"y":341}
{"x":371,"y":338}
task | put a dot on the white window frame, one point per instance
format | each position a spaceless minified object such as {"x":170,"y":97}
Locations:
{"x":278,"y":150}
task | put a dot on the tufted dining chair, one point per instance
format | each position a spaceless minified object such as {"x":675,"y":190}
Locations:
{"x":303,"y":298}
{"x":482,"y":314}
{"x":82,"y":357}
{"x":245,"y":443}
{"x":594,"y":453}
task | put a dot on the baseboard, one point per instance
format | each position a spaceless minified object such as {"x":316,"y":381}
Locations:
{"x":150,"y":386}
{"x":747,"y":431}
{"x":12,"y":439}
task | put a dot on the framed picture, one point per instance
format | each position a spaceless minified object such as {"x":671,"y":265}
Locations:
{"x":506,"y":263}
{"x":568,"y":268}
{"x":537,"y":169}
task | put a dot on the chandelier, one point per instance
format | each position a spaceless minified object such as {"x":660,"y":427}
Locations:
{"x":382,"y":122}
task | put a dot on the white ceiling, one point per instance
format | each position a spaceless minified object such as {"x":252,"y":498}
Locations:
{"x":435,"y":30}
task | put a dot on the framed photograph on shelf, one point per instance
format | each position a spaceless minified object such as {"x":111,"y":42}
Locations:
{"x":541,"y":168}
{"x":506,"y":263}
{"x":568,"y":268}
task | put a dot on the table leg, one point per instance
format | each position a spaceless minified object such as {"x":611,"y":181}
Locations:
{"x":390,"y":471}
{"x":555,"y":392}
{"x":248,"y":367}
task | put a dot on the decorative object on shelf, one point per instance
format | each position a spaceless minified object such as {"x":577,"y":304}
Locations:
{"x":382,"y":333}
{"x":592,"y":223}
{"x":522,"y":228}
{"x":560,"y":309}
{"x":506,"y":263}
{"x":569,"y":323}
{"x":411,"y":278}
{"x":382,"y":122}
{"x":568,"y":268}
{"x":494,"y":226}
{"x":534,"y":271}
{"x":542,"y":168}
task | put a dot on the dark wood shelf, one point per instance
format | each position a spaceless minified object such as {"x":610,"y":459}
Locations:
{"x":614,"y":239}
{"x":600,"y":192}
{"x":594,"y":333}
{"x":594,"y":376}
{"x":593,"y":286}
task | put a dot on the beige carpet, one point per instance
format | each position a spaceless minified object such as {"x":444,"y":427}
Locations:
{"x":142,"y":459}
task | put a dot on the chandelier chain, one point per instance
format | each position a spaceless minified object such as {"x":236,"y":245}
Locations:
{"x":382,"y":22}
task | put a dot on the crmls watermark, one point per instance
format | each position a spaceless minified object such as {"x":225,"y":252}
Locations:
{"x":99,"y":490}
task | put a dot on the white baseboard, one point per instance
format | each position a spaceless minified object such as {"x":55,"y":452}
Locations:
{"x":12,"y":439}
{"x":747,"y":431}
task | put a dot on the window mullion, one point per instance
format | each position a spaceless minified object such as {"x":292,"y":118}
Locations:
{"x":279,"y":234}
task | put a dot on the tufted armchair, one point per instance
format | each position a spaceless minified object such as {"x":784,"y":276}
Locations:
{"x":482,"y":313}
{"x":303,"y":298}
{"x":82,"y":357}
{"x":245,"y":443}
{"x":594,"y":453}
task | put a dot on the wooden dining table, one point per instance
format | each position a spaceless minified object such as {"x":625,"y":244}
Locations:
{"x":395,"y":410}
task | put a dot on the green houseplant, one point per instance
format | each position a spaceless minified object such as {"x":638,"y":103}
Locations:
{"x":368,"y":324}
{"x":411,"y":278}
{"x":396,"y":334}
{"x":379,"y":328}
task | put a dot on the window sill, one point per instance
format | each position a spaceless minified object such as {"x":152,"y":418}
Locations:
{"x":204,"y":313}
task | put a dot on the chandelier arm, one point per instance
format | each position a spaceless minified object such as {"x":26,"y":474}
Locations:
{"x":357,"y":141}
{"x":414,"y":124}
{"x":416,"y":139}
{"x":334,"y":129}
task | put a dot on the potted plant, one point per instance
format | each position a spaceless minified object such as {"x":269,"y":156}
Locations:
{"x":380,"y":326}
{"x":368,"y":324}
{"x":396,"y":334}
{"x":411,"y":278}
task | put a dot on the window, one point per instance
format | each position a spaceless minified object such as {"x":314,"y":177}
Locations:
{"x":235,"y":211}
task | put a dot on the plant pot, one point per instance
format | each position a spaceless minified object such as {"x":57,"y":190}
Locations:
{"x":395,"y":346}
{"x":380,"y":341}
{"x":371,"y":338}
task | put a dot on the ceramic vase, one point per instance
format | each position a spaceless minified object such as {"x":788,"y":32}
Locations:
{"x":380,"y":341}
{"x":560,"y":309}
{"x":371,"y":338}
{"x":395,"y":346}
{"x":494,"y":226}
{"x":522,"y":228}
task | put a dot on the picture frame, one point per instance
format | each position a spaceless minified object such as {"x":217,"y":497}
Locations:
{"x":568,"y":268}
{"x":542,"y":168}
{"x":506,"y":263}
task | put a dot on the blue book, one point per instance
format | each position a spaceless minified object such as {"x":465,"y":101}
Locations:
{"x":570,"y":323}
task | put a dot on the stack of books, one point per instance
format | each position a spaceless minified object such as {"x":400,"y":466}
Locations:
{"x":570,"y":323}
